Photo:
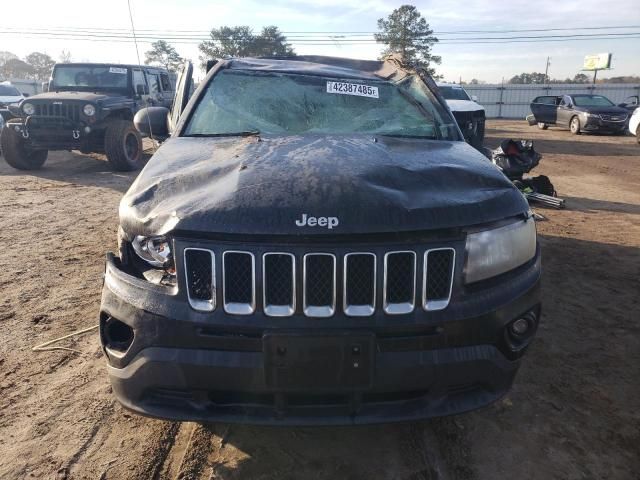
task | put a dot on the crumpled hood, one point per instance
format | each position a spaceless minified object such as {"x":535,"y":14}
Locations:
{"x":264,"y":185}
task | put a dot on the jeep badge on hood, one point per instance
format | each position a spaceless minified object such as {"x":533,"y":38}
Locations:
{"x":308,"y":221}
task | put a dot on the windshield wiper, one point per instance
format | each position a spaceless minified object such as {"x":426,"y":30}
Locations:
{"x":248,"y":133}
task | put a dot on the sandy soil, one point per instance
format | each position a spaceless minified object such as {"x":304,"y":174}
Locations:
{"x":572,"y":414}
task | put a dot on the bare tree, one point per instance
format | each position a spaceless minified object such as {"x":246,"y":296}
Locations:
{"x":65,"y":56}
{"x":42,"y":65}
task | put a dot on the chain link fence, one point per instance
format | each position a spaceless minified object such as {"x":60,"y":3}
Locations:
{"x":512,"y":101}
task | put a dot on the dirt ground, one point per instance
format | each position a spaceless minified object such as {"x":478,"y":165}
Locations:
{"x":573,"y":412}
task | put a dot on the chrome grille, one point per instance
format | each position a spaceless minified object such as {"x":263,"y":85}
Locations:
{"x":66,"y":110}
{"x":200,"y":276}
{"x":359,"y":291}
{"x":319,"y":284}
{"x":279,"y":284}
{"x":238,"y":277}
{"x":613,"y":118}
{"x":438,"y":280}
{"x":275,"y":280}
{"x":399,"y":282}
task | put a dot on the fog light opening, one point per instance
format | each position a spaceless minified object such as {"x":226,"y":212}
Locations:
{"x":520,"y":327}
{"x":118,"y":336}
{"x":519,"y":333}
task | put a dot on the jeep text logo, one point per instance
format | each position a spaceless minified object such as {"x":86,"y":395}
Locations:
{"x":308,"y":221}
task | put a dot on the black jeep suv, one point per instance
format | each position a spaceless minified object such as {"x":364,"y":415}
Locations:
{"x":89,"y":107}
{"x":316,"y":244}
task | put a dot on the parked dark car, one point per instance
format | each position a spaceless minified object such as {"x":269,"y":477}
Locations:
{"x":315,"y":243}
{"x":579,"y":113}
{"x":88,"y":107}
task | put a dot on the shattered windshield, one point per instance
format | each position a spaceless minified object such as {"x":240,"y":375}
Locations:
{"x":453,"y":93}
{"x":291,"y":104}
{"x":592,"y":101}
{"x":79,"y":76}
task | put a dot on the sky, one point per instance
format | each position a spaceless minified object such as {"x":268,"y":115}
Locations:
{"x":488,"y":62}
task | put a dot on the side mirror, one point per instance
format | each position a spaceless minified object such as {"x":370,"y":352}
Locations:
{"x":152,"y":122}
{"x":45,"y":87}
{"x":474,"y":98}
{"x":25,"y":95}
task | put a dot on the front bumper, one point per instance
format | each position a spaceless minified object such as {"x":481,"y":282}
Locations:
{"x":180,"y":365}
{"x":596,"y":124}
{"x":52,"y":133}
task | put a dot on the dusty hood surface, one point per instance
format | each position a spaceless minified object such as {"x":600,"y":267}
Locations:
{"x":66,"y":96}
{"x":264,"y":185}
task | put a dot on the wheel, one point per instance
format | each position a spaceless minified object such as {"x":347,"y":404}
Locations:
{"x":542,"y":126}
{"x":575,"y":126}
{"x":638,"y":134}
{"x":17,"y":154}
{"x":123,"y":146}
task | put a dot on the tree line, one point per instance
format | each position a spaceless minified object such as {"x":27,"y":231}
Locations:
{"x":541,"y":79}
{"x":35,"y":66}
{"x":404,"y":32}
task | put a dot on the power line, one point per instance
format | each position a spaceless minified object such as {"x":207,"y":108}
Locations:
{"x":339,"y":43}
{"x":319,"y":41}
{"x":307,"y":33}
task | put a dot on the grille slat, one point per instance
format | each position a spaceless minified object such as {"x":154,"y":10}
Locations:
{"x":319,"y":284}
{"x":359,"y":284}
{"x":399,"y":282}
{"x":200,"y":277}
{"x":278,"y":283}
{"x":238,"y":276}
{"x":438,"y":278}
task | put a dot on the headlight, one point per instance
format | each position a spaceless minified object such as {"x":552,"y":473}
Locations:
{"x":492,"y":252}
{"x":156,"y":251}
{"x":28,"y":108}
{"x":89,"y":110}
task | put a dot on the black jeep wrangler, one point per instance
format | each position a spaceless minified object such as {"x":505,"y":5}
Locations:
{"x":88,"y":107}
{"x":316,"y":244}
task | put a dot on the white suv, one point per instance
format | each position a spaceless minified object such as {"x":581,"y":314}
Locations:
{"x":634,"y":124}
{"x":469,"y":114}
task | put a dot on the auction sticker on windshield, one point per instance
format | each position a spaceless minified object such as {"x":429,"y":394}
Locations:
{"x":344,"y":88}
{"x":122,"y":71}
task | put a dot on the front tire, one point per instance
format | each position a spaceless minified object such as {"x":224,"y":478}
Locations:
{"x":123,"y":146}
{"x":542,"y":126}
{"x":574,"y":126}
{"x":17,"y":154}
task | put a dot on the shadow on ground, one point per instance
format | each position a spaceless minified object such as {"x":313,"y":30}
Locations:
{"x":73,"y":167}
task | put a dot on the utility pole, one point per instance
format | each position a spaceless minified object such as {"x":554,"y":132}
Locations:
{"x":546,"y":71}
